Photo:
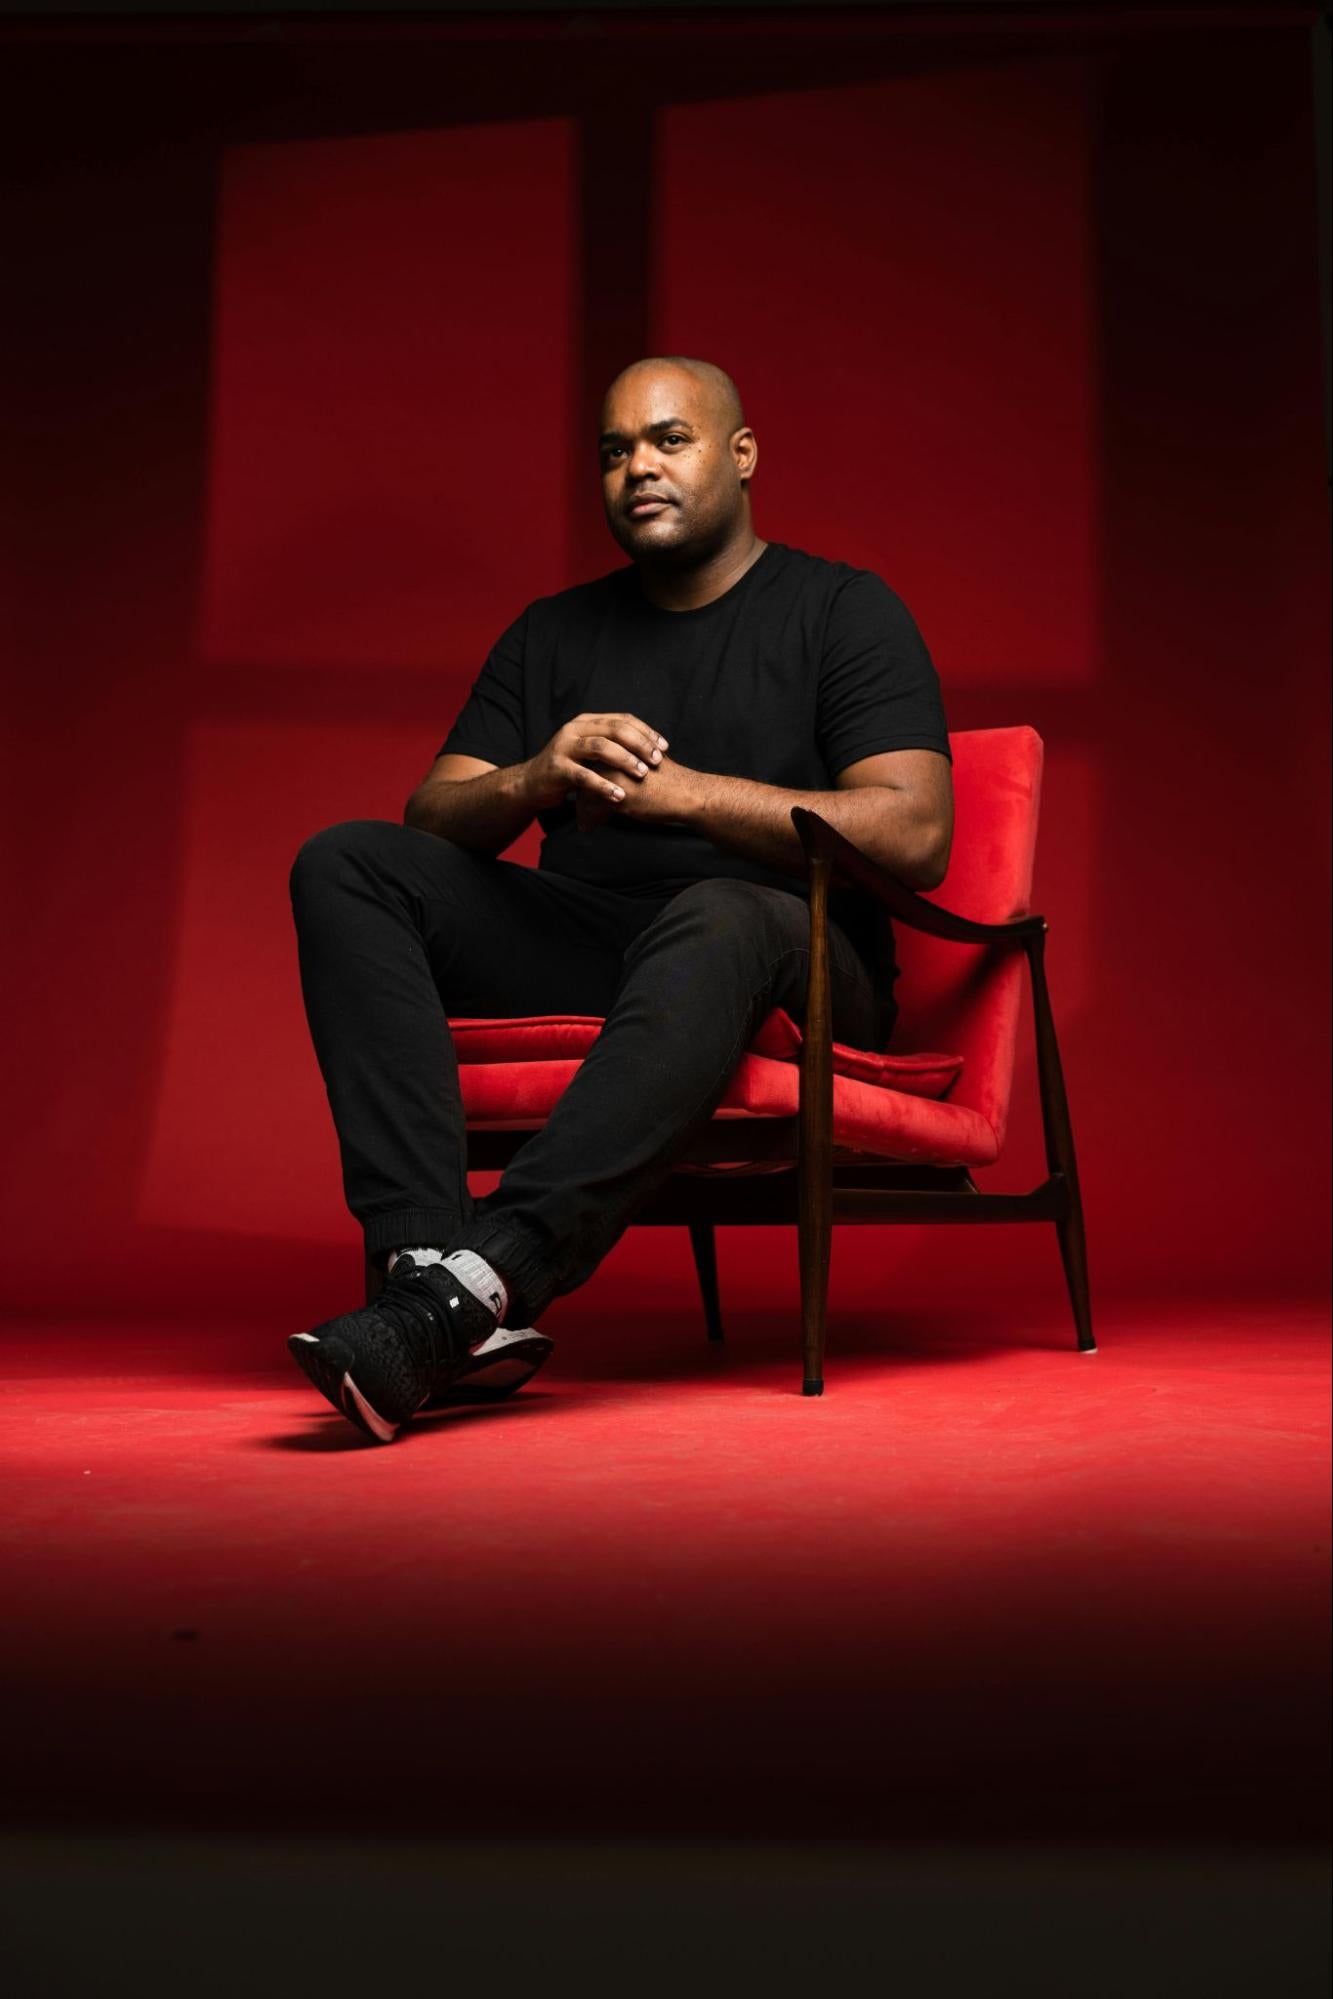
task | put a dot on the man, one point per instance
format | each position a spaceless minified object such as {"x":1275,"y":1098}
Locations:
{"x":660,"y":723}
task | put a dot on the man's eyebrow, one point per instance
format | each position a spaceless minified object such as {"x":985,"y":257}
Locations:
{"x":667,"y":423}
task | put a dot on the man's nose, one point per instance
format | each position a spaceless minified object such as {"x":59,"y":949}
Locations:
{"x":642,"y":464}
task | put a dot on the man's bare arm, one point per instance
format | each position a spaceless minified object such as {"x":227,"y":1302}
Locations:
{"x":486,"y":806}
{"x":475,"y":804}
{"x":897,"y":808}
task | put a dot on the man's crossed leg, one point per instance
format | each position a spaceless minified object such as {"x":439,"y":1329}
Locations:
{"x":397,"y":929}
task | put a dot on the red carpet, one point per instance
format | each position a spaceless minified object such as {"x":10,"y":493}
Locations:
{"x":985,"y":1587}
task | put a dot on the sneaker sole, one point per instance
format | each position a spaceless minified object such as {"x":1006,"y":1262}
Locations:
{"x":336,"y":1385}
{"x":500,"y":1366}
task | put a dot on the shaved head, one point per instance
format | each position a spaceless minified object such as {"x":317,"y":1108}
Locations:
{"x":677,"y":457}
{"x":721,"y":398}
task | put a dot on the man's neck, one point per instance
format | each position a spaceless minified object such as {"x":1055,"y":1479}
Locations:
{"x":689,"y":590}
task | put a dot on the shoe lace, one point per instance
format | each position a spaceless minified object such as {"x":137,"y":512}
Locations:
{"x":407,"y":1304}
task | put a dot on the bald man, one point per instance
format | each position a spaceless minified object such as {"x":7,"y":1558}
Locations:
{"x":660,"y":723}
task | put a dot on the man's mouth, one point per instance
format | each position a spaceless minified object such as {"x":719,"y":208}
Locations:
{"x":639,"y":509}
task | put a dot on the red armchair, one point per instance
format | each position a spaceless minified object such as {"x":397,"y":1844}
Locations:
{"x":813,"y":1133}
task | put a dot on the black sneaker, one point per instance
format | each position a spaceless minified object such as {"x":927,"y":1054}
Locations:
{"x":496,"y":1368}
{"x":380,"y":1364}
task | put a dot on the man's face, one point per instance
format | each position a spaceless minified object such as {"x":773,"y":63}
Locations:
{"x":663,"y":443}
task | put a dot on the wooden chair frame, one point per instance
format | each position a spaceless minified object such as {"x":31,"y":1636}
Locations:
{"x":828,"y":1186}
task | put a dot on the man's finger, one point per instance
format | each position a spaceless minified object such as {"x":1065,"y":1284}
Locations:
{"x":643,"y":738}
{"x":590,"y":780}
{"x":607,"y":750}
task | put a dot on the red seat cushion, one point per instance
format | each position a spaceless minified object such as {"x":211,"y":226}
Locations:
{"x":550,"y":1037}
{"x":514,"y":1072}
{"x":867,"y":1117}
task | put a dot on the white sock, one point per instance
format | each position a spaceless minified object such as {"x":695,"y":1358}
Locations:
{"x":421,"y":1255}
{"x":471,"y":1270}
{"x":480,"y":1279}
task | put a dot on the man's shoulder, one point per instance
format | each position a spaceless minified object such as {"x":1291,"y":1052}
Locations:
{"x":851,"y":584}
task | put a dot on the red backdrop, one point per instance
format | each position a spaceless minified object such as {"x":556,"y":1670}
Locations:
{"x":1029,"y":328}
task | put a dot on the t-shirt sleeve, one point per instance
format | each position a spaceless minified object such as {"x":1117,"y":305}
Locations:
{"x":490,"y":723}
{"x":878,"y":688}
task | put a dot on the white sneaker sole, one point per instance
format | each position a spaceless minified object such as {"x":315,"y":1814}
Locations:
{"x":501,"y":1364}
{"x":343,"y":1393}
{"x":356,"y":1406}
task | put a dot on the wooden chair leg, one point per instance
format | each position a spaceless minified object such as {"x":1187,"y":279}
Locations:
{"x":1059,"y":1132}
{"x":814,"y":1197}
{"x":704,"y":1244}
{"x":1074,"y":1256}
{"x":815,"y":1238}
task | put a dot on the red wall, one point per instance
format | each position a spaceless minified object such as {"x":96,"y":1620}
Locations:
{"x":306,"y":354}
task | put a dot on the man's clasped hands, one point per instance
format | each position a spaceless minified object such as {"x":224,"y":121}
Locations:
{"x":610,"y":764}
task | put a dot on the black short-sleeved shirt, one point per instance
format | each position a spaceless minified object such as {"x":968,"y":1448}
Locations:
{"x":799,"y":669}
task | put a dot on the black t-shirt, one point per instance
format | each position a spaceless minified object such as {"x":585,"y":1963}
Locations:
{"x":799,"y":669}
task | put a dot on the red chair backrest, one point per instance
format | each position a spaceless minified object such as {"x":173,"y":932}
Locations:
{"x":963,"y":998}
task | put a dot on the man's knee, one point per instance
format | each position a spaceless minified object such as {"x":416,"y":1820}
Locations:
{"x":723,"y":904}
{"x":723,"y":915}
{"x":326,"y":854}
{"x":332,"y":855}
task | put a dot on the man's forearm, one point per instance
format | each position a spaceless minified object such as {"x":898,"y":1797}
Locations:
{"x":745,"y":817}
{"x":486,"y":813}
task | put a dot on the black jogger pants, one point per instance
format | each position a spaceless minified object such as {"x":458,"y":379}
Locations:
{"x":398,"y":928}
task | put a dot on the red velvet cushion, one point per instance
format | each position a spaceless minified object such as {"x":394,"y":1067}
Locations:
{"x":534,"y":1037}
{"x":516,"y":1096}
{"x":549,"y":1036}
{"x":967,"y":996}
{"x":919,"y":1075}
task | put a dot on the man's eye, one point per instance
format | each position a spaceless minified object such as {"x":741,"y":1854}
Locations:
{"x":672,"y":436}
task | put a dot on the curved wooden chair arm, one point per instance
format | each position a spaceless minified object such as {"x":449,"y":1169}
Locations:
{"x":828,"y":854}
{"x":824,"y":843}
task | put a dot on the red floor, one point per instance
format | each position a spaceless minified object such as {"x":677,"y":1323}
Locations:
{"x":984,"y":1587}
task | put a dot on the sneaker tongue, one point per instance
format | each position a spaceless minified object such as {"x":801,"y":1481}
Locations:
{"x":407,"y":1260}
{"x":438,"y":1315}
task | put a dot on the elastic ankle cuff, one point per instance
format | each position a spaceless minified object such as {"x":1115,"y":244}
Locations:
{"x":424,"y":1227}
{"x":524,"y":1269}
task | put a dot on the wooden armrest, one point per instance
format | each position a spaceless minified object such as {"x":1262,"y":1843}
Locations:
{"x":825,"y":843}
{"x":827,"y":855}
